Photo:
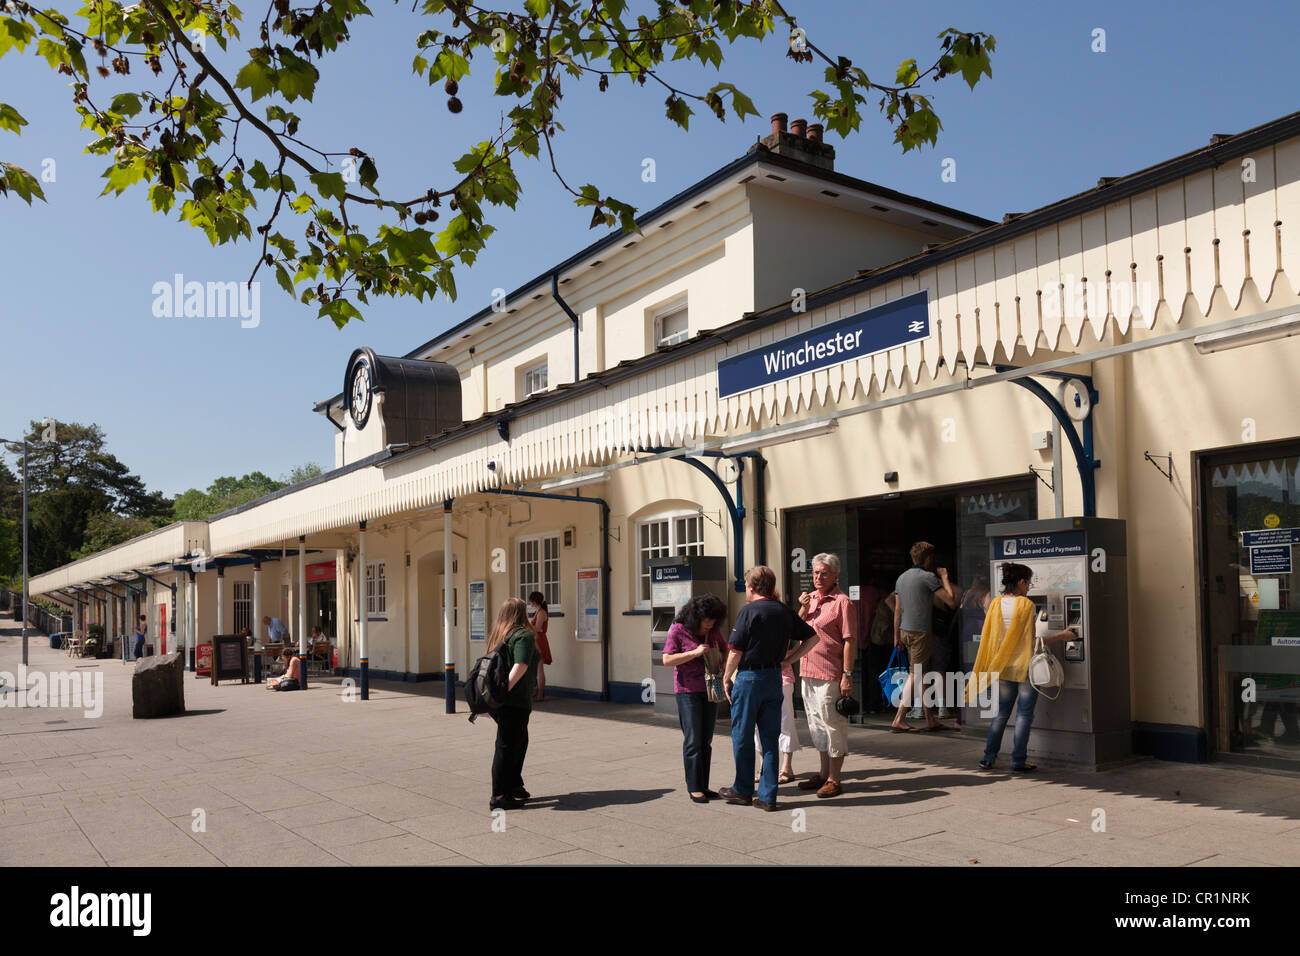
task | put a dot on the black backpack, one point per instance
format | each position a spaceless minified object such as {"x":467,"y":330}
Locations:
{"x":489,"y":681}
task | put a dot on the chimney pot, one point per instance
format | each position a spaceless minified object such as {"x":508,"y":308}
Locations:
{"x":815,"y":132}
{"x":799,"y":128}
{"x":778,"y":123}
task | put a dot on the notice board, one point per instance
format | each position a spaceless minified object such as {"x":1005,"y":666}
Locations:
{"x":229,"y":658}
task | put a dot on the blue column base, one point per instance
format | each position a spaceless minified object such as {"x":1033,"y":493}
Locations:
{"x":365,"y":679}
{"x":449,"y":690}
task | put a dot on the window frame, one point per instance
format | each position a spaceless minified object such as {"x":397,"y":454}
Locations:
{"x":671,"y":518}
{"x":526,"y":370}
{"x":376,"y":597}
{"x":246,"y":603}
{"x":552,"y":607}
{"x":657,"y":317}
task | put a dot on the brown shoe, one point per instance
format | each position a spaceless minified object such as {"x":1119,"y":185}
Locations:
{"x":769,"y":807}
{"x":730,"y":796}
{"x":812,"y":783}
{"x":830,"y":789}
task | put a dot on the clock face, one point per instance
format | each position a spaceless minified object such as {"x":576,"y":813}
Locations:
{"x":360,"y":394}
{"x":726,"y":469}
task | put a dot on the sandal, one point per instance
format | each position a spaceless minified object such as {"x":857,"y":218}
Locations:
{"x":785,"y":778}
{"x":937,"y":728}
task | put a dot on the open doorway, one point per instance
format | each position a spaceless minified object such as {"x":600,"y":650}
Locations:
{"x":873,"y":537}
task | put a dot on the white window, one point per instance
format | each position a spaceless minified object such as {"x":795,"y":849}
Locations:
{"x":243,"y":605}
{"x":671,"y":326}
{"x":663,"y":536}
{"x":534,"y":379}
{"x":539,"y":568}
{"x":376,"y":589}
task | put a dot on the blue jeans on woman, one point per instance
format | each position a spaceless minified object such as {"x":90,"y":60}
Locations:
{"x":1023,"y":694}
{"x":756,"y":701}
{"x":698,"y":717}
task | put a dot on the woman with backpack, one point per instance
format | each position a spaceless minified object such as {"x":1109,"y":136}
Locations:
{"x":511,"y":717}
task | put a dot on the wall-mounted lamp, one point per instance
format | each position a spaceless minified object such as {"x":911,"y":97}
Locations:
{"x":503,"y":429}
{"x":891,"y":477}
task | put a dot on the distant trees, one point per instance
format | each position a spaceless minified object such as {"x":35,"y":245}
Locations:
{"x":82,"y":499}
{"x":229,"y":492}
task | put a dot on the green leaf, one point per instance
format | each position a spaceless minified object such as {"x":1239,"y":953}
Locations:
{"x":15,"y":33}
{"x":329,"y":185}
{"x":367,"y":175}
{"x":341,"y":311}
{"x":679,"y":112}
{"x":125,"y":104}
{"x":282,"y":277}
{"x":21,"y":182}
{"x":302,"y":203}
{"x":255,"y":78}
{"x":11,"y":119}
{"x":121,"y":176}
{"x":296,"y":77}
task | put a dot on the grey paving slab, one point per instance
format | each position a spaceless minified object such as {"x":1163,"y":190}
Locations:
{"x":311,"y":779}
{"x":513,"y":845}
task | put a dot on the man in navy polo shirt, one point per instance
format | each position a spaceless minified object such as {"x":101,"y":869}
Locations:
{"x":766,"y":635}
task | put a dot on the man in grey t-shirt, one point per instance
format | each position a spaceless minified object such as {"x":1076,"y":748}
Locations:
{"x":914,"y":625}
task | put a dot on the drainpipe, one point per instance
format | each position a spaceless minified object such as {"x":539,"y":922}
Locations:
{"x":604,"y":571}
{"x":573,"y":317}
{"x":1058,"y":489}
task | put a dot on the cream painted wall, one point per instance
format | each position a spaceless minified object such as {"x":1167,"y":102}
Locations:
{"x":809,"y":244}
{"x":1183,"y":402}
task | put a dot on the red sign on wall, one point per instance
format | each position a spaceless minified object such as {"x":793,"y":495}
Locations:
{"x":324,"y":571}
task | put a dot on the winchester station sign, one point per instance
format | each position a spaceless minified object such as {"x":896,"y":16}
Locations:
{"x":904,"y":321}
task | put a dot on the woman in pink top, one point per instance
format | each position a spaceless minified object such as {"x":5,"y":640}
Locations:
{"x":696,"y":629}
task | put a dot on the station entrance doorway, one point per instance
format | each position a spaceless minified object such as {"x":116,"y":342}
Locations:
{"x":873,"y":537}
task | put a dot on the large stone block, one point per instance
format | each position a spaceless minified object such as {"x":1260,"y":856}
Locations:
{"x":158,"y":686}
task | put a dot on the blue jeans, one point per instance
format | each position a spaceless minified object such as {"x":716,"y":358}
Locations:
{"x":698,"y":717}
{"x":756,"y":702}
{"x":1025,"y":696}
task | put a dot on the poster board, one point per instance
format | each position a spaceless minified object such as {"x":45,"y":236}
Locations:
{"x":203,"y":660}
{"x":589,"y":608}
{"x":229,"y":658}
{"x":478,"y":610}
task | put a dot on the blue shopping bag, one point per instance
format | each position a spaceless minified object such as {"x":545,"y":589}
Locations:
{"x":893,"y":677}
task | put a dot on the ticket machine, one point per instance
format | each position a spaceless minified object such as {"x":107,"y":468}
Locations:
{"x":1080,"y":581}
{"x":674,"y":581}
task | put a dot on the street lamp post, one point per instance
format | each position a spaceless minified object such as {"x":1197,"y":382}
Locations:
{"x":24,"y":444}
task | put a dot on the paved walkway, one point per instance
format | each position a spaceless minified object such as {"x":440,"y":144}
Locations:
{"x":312,"y":779}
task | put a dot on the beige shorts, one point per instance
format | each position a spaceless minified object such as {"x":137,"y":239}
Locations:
{"x":920,"y":647}
{"x":828,"y":727}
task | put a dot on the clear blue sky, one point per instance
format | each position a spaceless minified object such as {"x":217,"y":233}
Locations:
{"x":185,"y":400}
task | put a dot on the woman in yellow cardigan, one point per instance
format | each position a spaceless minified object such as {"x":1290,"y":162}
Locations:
{"x":1006,"y":645}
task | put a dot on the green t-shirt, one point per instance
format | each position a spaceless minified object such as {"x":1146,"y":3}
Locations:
{"x":523,"y":650}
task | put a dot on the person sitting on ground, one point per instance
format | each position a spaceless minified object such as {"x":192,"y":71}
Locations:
{"x":292,"y":673}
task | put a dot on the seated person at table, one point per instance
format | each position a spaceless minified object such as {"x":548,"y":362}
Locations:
{"x":292,"y":669}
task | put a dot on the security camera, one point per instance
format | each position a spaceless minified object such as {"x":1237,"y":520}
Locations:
{"x":492,"y":465}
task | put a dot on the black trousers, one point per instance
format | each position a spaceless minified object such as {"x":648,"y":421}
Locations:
{"x":512,"y":746}
{"x":698,"y":717}
{"x":877,"y":659}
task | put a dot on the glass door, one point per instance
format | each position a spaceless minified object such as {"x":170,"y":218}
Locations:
{"x":1250,"y":528}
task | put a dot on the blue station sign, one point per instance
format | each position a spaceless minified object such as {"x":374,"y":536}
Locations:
{"x":670,"y":572}
{"x":1270,"y":559}
{"x":1273,"y":536}
{"x":1056,"y":545}
{"x":901,"y":322}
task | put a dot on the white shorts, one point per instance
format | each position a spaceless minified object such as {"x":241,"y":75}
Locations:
{"x":829,"y":728}
{"x":789,"y":740}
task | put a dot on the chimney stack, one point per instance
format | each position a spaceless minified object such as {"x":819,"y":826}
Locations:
{"x":802,"y":142}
